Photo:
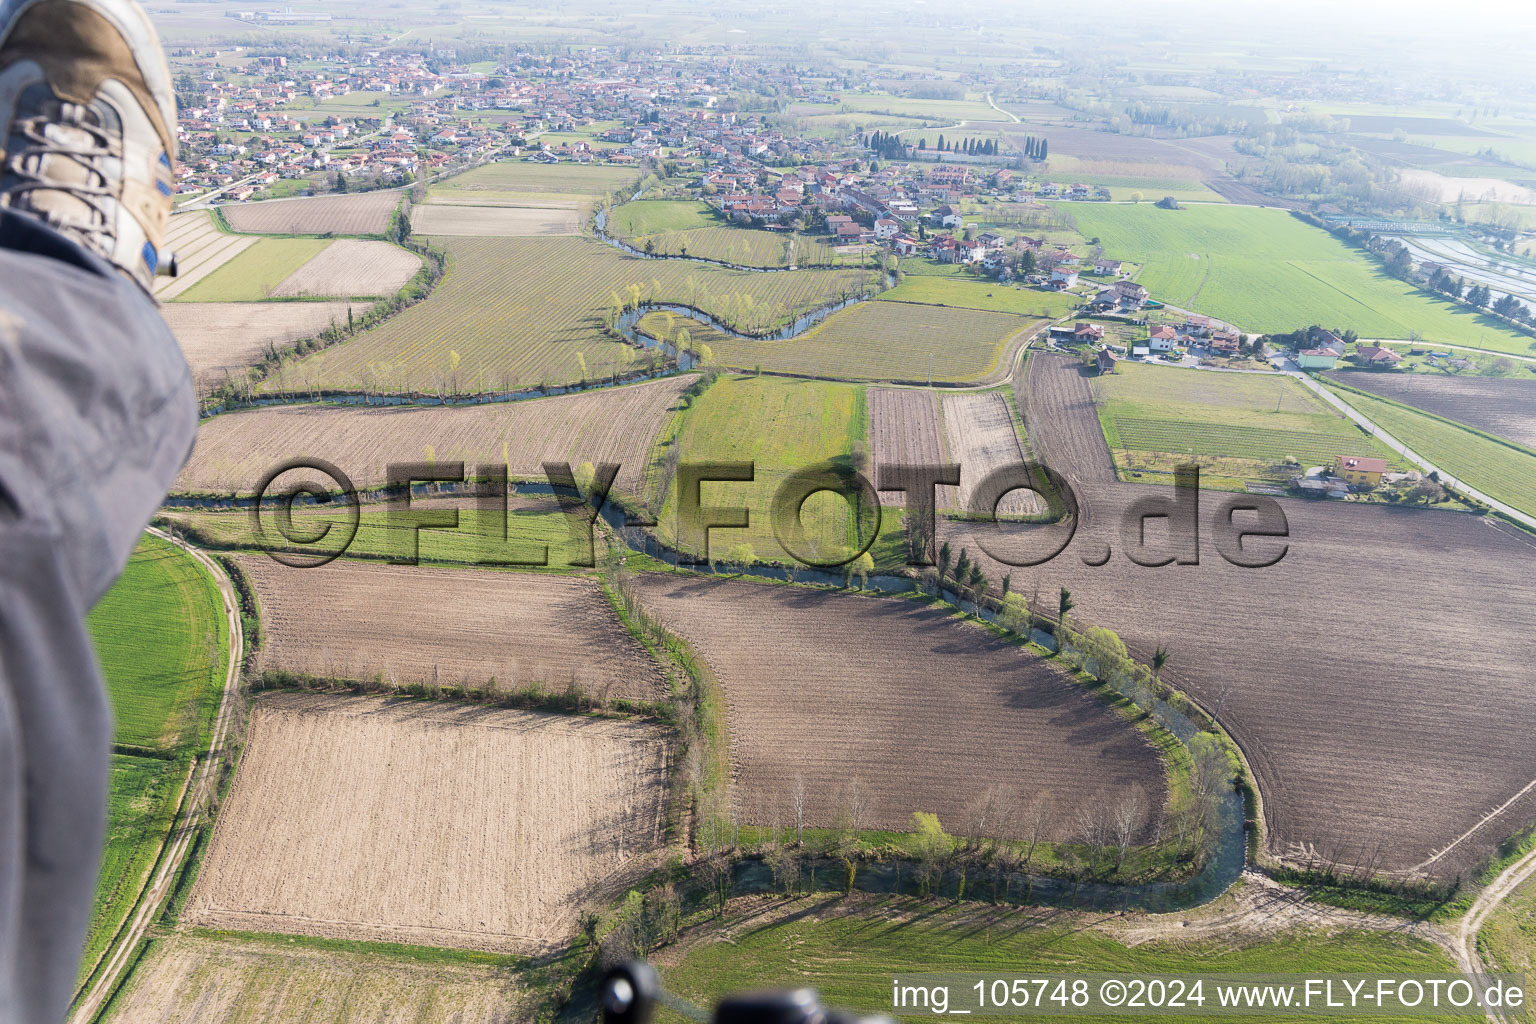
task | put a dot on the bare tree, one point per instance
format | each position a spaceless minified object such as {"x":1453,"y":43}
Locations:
{"x":991,"y":816}
{"x":1094,"y":831}
{"x":798,"y":801}
{"x":1128,"y":814}
{"x":1033,"y":830}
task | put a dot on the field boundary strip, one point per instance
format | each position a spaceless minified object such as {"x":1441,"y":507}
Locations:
{"x":120,"y":956}
{"x":1142,"y":433}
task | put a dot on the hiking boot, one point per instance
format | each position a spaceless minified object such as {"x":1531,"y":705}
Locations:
{"x":87,"y":126}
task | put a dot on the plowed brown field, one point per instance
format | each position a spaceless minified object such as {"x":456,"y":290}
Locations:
{"x":1380,"y":673}
{"x":426,"y":823}
{"x":923,"y":712}
{"x":351,"y":267}
{"x":358,"y":213}
{"x":617,"y":425}
{"x":457,"y":219}
{"x":222,"y":338}
{"x":981,"y":439}
{"x":224,"y":979}
{"x":904,"y":430}
{"x":353,"y":620}
{"x":200,"y":248}
{"x":1506,"y":407}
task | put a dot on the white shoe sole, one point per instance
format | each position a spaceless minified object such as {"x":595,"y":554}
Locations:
{"x":133,"y":22}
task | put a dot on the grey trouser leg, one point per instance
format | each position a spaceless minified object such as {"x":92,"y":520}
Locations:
{"x":97,"y":414}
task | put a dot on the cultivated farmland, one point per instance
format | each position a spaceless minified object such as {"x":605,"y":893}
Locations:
{"x":919,"y":711}
{"x":253,"y":274}
{"x":876,"y":341}
{"x":1497,"y":406}
{"x":981,"y":436}
{"x":142,"y":797}
{"x":1235,"y":426}
{"x":365,"y":620}
{"x":526,"y":176}
{"x":200,"y":248}
{"x":352,"y":267}
{"x":532,"y":533}
{"x":659,"y":216}
{"x":1499,"y":469}
{"x":519,"y":311}
{"x":427,"y":823}
{"x":361,"y":213}
{"x":1264,"y":270}
{"x":849,"y":948}
{"x":617,"y":425}
{"x":242,"y":979}
{"x":746,"y":247}
{"x":460,"y":219}
{"x":780,"y":426}
{"x":969,"y":293}
{"x":673,"y":228}
{"x":220,"y":339}
{"x":159,"y":635}
{"x":1360,"y":741}
{"x":904,"y":429}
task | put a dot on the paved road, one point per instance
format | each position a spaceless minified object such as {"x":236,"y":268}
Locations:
{"x":1000,"y":110}
{"x":195,"y":800}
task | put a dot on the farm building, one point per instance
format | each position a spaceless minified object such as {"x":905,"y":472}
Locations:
{"x":1131,"y":294}
{"x":1105,"y":361}
{"x":1375,"y":355}
{"x":1359,"y":471}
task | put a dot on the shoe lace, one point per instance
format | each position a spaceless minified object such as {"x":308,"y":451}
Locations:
{"x":28,"y":164}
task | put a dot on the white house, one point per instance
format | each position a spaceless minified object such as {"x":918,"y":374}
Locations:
{"x":886,"y":228}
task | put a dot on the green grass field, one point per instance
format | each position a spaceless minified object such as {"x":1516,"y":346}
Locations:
{"x":654,"y":216}
{"x":749,"y":247}
{"x":896,"y":341}
{"x":669,"y":227}
{"x":251,"y":276}
{"x":1500,"y":469}
{"x":850,"y":948}
{"x":161,"y":636}
{"x":141,"y":805}
{"x":524,"y":176}
{"x":163,"y":644}
{"x":782,"y":426}
{"x":1237,"y":426}
{"x":517,"y":312}
{"x":973,"y":293}
{"x":1124,"y":177}
{"x":1264,"y":270}
{"x":1508,"y":940}
{"x":323,"y":981}
{"x":944,"y":111}
{"x":477,"y":540}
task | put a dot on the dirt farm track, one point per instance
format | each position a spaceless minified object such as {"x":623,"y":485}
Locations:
{"x":1378,"y":677}
{"x":426,"y":823}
